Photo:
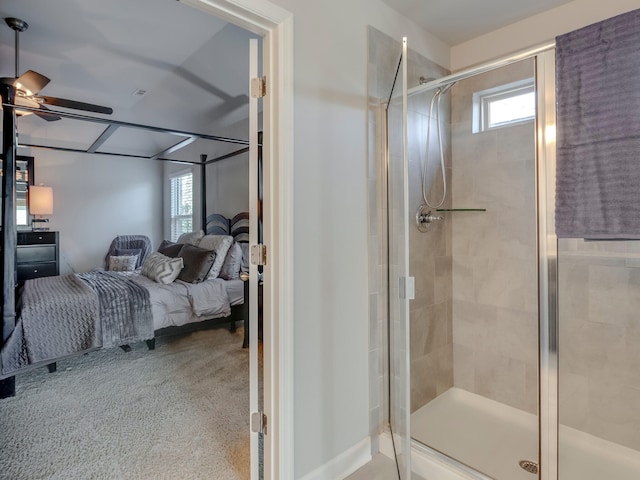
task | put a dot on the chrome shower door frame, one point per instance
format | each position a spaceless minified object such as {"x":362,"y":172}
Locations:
{"x":547,"y":264}
{"x":547,"y":244}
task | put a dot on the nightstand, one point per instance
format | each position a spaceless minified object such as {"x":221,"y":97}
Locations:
{"x":37,"y":255}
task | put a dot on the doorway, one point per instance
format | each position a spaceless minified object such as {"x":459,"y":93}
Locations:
{"x":277,"y":333}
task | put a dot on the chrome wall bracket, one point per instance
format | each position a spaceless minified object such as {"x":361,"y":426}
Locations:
{"x":424,"y":218}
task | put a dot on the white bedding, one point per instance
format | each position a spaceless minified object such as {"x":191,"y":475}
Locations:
{"x":235,"y":290}
{"x":180,"y":303}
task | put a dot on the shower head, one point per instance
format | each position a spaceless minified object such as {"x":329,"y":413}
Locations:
{"x":424,"y":80}
{"x":442,"y":89}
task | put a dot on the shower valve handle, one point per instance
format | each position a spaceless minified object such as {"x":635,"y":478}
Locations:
{"x":428,"y":218}
{"x":424,"y":218}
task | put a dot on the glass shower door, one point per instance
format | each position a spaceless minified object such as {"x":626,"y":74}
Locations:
{"x":400,"y":284}
{"x":475,"y":318}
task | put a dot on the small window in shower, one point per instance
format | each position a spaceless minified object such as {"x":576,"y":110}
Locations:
{"x":504,"y":105}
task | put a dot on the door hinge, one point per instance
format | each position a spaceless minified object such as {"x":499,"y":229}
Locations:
{"x":259,"y":422}
{"x":259,"y":254}
{"x":407,"y":288}
{"x":258,"y":87}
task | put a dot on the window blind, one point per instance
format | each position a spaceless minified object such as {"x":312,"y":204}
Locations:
{"x":181,"y":204}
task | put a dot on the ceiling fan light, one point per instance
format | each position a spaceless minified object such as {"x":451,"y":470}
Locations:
{"x":24,"y":91}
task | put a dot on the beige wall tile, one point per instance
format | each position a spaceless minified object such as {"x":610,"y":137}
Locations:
{"x":494,"y":257}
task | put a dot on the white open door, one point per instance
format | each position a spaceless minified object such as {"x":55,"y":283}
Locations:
{"x":257,"y":422}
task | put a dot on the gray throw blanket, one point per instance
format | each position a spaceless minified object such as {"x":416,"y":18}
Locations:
{"x":65,"y":315}
{"x":125,"y":309}
{"x":598,"y":135}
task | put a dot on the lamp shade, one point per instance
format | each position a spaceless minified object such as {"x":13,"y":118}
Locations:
{"x":40,"y":200}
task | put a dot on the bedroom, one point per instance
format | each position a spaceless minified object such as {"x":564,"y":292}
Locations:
{"x":98,"y":197}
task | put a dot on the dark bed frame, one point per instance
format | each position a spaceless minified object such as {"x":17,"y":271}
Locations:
{"x":9,"y":234}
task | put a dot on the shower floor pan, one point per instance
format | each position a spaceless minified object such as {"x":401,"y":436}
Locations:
{"x":494,"y":438}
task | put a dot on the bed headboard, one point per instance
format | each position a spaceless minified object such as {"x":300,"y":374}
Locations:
{"x":237,"y":227}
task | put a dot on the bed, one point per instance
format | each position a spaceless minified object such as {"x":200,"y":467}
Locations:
{"x":66,"y":315}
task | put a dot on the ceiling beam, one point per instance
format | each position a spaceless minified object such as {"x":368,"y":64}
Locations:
{"x":175,"y":148}
{"x":104,"y":136}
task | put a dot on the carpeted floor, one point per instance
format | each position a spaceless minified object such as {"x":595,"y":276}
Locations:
{"x":179,"y":412}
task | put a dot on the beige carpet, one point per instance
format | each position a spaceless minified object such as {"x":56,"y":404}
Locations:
{"x":179,"y":412}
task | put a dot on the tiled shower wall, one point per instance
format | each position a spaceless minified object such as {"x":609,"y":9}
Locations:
{"x":495,"y":321}
{"x":431,"y":337}
{"x":431,"y":328}
{"x":599,"y":342}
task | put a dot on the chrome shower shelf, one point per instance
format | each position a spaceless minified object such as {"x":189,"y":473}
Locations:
{"x":461,"y":209}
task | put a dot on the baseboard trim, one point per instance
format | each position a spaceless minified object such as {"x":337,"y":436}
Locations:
{"x":344,"y":464}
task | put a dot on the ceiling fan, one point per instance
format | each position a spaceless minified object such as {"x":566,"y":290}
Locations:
{"x":29,"y":84}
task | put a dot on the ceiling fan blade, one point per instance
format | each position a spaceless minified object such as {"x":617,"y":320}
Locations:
{"x":32,"y":82}
{"x":62,"y":102}
{"x":49,"y":117}
{"x":42,"y":112}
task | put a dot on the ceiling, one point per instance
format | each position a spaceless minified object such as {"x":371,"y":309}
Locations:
{"x":456,"y":21}
{"x":193,"y":67}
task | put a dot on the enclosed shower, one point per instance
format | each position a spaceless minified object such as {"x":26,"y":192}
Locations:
{"x":511,"y":355}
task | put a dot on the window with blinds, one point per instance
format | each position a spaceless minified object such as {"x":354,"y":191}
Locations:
{"x":181,"y":204}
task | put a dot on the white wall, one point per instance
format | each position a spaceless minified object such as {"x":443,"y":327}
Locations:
{"x":228,"y":186}
{"x":228,"y":180}
{"x":537,"y":29}
{"x":330,"y":220}
{"x":96,"y":198}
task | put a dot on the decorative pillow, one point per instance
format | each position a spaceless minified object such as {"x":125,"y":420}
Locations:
{"x":220,"y":244}
{"x":161,"y":269}
{"x":121,"y":252}
{"x":123,"y":263}
{"x":231,"y":267}
{"x":170,"y":249}
{"x":192,"y":238}
{"x":244,"y":266}
{"x":197,"y":263}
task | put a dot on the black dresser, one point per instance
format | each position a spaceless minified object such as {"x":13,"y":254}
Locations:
{"x":37,"y":255}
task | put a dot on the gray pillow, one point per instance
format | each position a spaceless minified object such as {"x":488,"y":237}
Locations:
{"x":231,"y":267}
{"x":161,"y":268}
{"x":123,"y":252}
{"x":220,"y":244}
{"x":197,"y":263}
{"x":192,"y":238}
{"x":170,"y":249}
{"x":122,"y":263}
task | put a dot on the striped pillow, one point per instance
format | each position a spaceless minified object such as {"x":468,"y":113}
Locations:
{"x":161,"y":269}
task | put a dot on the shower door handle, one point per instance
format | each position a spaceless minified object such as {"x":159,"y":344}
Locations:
{"x":407,"y":288}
